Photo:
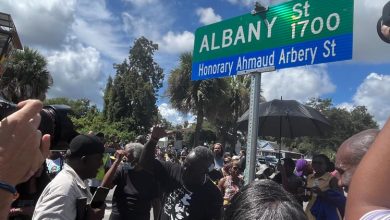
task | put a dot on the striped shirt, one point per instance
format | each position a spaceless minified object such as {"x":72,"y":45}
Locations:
{"x":380,"y":214}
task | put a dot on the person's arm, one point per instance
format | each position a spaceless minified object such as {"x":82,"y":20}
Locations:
{"x":147,"y":156}
{"x":110,"y":175}
{"x":23,"y":149}
{"x":370,"y":183}
{"x":221,"y":185}
{"x":289,"y":186}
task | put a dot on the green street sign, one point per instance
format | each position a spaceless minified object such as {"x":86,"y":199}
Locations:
{"x":295,"y":33}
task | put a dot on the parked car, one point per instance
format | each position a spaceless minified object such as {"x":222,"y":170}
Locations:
{"x":271,"y":160}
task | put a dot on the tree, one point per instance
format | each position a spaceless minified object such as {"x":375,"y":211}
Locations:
{"x":107,"y":99}
{"x":201,"y":98}
{"x":130,"y":98}
{"x":80,"y":107}
{"x":344,"y":124}
{"x":236,"y":103}
{"x":25,"y":77}
{"x":87,"y":117}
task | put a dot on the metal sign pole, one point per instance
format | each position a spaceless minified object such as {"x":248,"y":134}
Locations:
{"x":253,"y":123}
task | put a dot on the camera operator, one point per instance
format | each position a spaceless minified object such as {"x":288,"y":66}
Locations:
{"x":22,"y":150}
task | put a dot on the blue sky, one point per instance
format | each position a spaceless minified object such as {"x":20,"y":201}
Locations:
{"x":81,"y":39}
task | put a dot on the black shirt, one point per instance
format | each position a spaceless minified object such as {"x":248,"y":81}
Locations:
{"x":202,"y":203}
{"x":133,"y":194}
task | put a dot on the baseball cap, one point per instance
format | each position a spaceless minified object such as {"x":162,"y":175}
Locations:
{"x":84,"y":145}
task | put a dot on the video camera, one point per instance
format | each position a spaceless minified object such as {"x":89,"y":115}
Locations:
{"x":54,"y":121}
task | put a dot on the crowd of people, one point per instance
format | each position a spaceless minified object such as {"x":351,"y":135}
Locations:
{"x":198,"y":183}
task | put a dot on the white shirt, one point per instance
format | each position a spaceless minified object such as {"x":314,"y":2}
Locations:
{"x":58,"y":199}
{"x":381,"y":214}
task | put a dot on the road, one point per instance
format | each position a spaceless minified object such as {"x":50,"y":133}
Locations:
{"x":108,"y":204}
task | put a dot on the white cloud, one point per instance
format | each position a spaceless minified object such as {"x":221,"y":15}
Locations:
{"x":207,"y":16}
{"x":97,"y":27}
{"x":140,"y":3}
{"x":297,"y":83}
{"x":150,"y":21}
{"x":374,"y":93}
{"x":173,"y":116}
{"x":177,"y":43}
{"x":77,"y":73}
{"x":346,"y":105}
{"x":248,"y":3}
{"x":41,"y":23}
{"x":102,"y":36}
{"x":95,"y":10}
{"x":137,"y":26}
{"x":241,"y":2}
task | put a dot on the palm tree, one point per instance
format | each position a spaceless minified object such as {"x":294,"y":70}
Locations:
{"x":201,"y":98}
{"x":26,"y":76}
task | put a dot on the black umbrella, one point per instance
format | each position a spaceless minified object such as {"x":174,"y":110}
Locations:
{"x":287,"y":118}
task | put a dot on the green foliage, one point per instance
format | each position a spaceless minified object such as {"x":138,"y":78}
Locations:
{"x":207,"y":134}
{"x":202,"y":98}
{"x":236,"y":102}
{"x":26,"y":77}
{"x":344,"y":125}
{"x":130,"y":98}
{"x":87,"y":117}
{"x":80,"y":107}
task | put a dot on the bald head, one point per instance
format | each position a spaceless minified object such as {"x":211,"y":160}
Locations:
{"x":351,"y":153}
{"x":358,"y":145}
{"x":200,"y":154}
{"x":196,"y":166}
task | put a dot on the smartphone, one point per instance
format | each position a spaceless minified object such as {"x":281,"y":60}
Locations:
{"x":99,"y":197}
{"x":81,"y":204}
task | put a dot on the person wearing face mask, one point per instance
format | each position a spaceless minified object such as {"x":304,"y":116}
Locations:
{"x":135,"y":188}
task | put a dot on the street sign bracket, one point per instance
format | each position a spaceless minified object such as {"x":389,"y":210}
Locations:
{"x":259,"y":8}
{"x":258,"y":70}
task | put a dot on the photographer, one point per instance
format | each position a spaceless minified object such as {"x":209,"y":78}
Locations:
{"x":59,"y":199}
{"x":22,"y":150}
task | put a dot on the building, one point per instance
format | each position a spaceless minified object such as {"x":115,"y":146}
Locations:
{"x":9,"y":40}
{"x":268,"y":148}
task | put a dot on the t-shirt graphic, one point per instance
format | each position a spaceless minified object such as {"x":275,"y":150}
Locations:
{"x":178,"y":203}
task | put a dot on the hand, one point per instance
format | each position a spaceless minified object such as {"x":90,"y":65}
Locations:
{"x":157,"y":133}
{"x":15,"y":211}
{"x":22,"y":147}
{"x":96,"y":213}
{"x":119,"y":154}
